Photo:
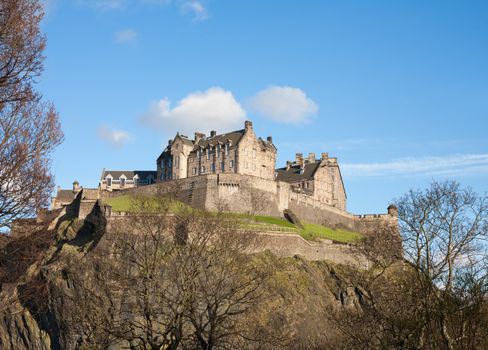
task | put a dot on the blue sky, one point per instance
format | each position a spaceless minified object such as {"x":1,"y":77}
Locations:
{"x":397,"y":90}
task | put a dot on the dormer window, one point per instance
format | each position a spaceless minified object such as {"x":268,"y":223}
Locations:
{"x":109,"y":181}
{"x":122,"y":181}
{"x":227,"y":147}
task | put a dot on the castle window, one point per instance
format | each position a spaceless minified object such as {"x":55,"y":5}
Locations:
{"x":213,"y":167}
{"x":162,"y":163}
{"x":208,"y":152}
{"x":227,"y":146}
{"x":170,"y":161}
{"x":222,"y":166}
{"x":254,"y":167}
{"x":198,"y":154}
{"x":194,"y":171}
{"x":218,"y":151}
{"x":231,"y":164}
{"x":254,"y":154}
{"x":245,"y":165}
{"x":202,"y":169}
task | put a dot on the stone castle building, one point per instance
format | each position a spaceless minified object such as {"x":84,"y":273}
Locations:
{"x":236,"y":152}
{"x":236,"y":171}
{"x":242,"y":152}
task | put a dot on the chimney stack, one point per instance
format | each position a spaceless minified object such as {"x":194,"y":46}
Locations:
{"x":213,"y":133}
{"x":288,"y":165}
{"x":248,"y":125}
{"x":311,"y":157}
{"x":299,"y":159}
{"x":269,"y":139}
{"x":324,"y":156}
{"x":199,"y":136}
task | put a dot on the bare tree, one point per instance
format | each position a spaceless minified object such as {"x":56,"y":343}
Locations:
{"x":168,"y":278}
{"x":29,"y":128}
{"x":445,"y":231}
{"x":432,"y":294}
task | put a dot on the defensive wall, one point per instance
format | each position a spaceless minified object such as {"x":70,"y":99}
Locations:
{"x":283,"y":244}
{"x":255,"y":195}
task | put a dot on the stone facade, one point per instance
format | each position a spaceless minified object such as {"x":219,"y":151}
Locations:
{"x":319,"y":178}
{"x":115,"y":180}
{"x":236,"y":152}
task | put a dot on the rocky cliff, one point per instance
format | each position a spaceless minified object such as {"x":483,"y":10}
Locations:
{"x":37,"y":291}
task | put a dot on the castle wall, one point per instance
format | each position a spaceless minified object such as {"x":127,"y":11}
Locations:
{"x":255,"y":195}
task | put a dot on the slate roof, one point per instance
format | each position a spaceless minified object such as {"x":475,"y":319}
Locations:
{"x":233,"y":136}
{"x":293,"y":174}
{"x":143,"y":174}
{"x":186,"y":140}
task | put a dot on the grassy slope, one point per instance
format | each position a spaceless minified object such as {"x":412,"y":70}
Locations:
{"x":310,"y":232}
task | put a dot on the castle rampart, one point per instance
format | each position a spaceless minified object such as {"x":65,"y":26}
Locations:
{"x":256,"y":195}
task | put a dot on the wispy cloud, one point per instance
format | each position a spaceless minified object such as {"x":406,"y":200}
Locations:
{"x":196,"y":9}
{"x":459,"y":164}
{"x":125,"y":36}
{"x":116,"y":138}
{"x":283,"y":104}
{"x":342,"y":144}
{"x":104,"y":5}
{"x":214,"y":108}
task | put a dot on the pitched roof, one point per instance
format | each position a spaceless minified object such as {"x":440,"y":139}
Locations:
{"x":143,"y":174}
{"x":233,"y":136}
{"x":185,"y":139}
{"x":293,"y":174}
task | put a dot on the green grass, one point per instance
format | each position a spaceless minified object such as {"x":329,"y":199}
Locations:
{"x":269,"y":220}
{"x":313,"y":232}
{"x":131,"y":204}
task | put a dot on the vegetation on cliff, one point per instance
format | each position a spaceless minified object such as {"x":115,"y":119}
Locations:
{"x":187,"y":281}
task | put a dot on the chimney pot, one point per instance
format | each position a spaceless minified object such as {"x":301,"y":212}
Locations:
{"x":213,"y":133}
{"x":170,"y":142}
{"x":270,"y":139}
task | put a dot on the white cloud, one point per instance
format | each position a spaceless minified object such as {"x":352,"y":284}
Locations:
{"x":125,"y":36}
{"x":117,"y":138}
{"x":196,"y":9}
{"x":283,"y":104}
{"x":460,"y":164}
{"x":214,"y":109}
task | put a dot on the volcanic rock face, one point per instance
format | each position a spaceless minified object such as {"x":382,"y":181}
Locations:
{"x":38,"y":293}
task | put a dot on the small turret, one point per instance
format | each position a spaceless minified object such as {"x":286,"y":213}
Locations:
{"x":76,"y":187}
{"x":392,"y":210}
